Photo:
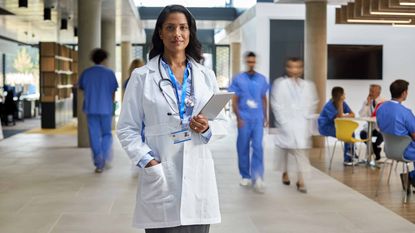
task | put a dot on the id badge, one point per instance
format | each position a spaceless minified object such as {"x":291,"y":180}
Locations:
{"x":251,"y":104}
{"x":181,"y":136}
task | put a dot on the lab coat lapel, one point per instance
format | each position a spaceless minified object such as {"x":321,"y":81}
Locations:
{"x":166,"y":86}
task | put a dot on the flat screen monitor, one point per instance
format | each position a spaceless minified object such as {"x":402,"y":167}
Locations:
{"x":360,"y":62}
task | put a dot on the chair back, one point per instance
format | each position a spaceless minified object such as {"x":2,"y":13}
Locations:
{"x":395,"y":146}
{"x":345,"y":129}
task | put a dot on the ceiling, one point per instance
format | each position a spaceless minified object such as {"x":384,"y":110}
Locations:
{"x":390,"y":12}
{"x":27,"y":24}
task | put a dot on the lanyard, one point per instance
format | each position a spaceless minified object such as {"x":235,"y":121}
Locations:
{"x":181,"y":102}
{"x":252,"y":85}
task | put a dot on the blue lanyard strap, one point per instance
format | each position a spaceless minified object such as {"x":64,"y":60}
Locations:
{"x":181,"y":102}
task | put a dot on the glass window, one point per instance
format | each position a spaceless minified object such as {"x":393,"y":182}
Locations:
{"x":222,"y":65}
{"x":22,"y":70}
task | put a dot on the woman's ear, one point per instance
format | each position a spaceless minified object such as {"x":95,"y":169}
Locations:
{"x":160,"y":35}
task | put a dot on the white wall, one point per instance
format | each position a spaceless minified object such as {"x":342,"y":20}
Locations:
{"x":398,"y":48}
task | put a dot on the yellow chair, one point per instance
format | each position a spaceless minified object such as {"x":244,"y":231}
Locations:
{"x":345,"y":128}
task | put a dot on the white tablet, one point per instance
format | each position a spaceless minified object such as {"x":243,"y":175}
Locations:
{"x":215,"y":104}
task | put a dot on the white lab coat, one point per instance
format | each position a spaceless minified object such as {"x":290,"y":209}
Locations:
{"x":182,"y":189}
{"x":366,"y":110}
{"x":292,"y":104}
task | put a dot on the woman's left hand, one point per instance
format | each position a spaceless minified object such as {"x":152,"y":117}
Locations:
{"x":199,"y":123}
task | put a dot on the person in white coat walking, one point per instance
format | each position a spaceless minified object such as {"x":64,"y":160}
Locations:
{"x":177,"y":189}
{"x":293,"y":101}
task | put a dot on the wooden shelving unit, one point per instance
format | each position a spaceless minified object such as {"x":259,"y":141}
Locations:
{"x":58,"y":75}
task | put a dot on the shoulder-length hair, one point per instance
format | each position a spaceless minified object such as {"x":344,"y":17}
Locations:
{"x":193,"y":49}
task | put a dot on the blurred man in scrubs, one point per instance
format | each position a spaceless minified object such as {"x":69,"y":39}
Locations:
{"x":394,"y":118}
{"x":99,"y":85}
{"x":250,"y":107}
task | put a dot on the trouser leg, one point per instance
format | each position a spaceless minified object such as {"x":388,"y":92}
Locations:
{"x":376,"y":144}
{"x":257,"y":164}
{"x":106,"y":144}
{"x":181,"y":229}
{"x":94,"y":130}
{"x":243,"y":149}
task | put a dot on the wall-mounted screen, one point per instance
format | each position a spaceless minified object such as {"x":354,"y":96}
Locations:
{"x":354,"y":62}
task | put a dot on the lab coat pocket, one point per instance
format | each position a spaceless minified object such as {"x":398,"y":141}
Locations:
{"x":206,"y":184}
{"x":154,"y":187}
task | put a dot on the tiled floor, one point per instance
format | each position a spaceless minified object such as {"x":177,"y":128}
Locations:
{"x":48,"y":185}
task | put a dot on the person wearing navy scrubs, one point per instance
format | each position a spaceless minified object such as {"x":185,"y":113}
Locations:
{"x":249,"y":104}
{"x":99,"y":85}
{"x":335,"y":107}
{"x":394,"y":118}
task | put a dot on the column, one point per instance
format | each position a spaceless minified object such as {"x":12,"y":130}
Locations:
{"x":108,"y":42}
{"x":125,"y":61}
{"x":89,"y":37}
{"x":235,"y":58}
{"x":316,"y":51}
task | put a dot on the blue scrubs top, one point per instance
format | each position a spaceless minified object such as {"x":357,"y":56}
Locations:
{"x":326,"y":119}
{"x":250,"y":87}
{"x":99,"y":84}
{"x":394,"y":118}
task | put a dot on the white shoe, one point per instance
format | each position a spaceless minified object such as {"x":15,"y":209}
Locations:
{"x":259,"y":186}
{"x":245,"y":182}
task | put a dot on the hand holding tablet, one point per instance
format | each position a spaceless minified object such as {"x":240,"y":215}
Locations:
{"x":215,"y":104}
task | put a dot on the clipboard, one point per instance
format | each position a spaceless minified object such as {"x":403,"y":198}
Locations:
{"x":215,"y":104}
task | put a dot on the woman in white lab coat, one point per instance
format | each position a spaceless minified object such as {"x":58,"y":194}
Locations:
{"x":293,"y":101}
{"x":177,"y":189}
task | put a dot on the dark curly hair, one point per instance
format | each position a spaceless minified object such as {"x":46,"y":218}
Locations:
{"x":193,"y":49}
{"x":98,"y":56}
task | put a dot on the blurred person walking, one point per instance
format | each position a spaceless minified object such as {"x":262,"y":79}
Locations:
{"x":99,"y":85}
{"x":136,"y":63}
{"x":250,"y":106}
{"x":293,"y":101}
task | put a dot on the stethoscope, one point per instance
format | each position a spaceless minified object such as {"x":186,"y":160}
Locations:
{"x":169,"y":81}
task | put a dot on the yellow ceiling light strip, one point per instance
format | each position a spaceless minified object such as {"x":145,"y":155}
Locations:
{"x":407,"y":3}
{"x":392,"y":13}
{"x":378,"y":21}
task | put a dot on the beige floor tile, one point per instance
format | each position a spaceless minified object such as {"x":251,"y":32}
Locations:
{"x":27,"y":223}
{"x":50,"y":187}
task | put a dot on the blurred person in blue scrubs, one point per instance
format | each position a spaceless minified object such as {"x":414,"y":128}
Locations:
{"x":250,"y":106}
{"x":394,"y":118}
{"x":99,"y":85}
{"x":334,"y":108}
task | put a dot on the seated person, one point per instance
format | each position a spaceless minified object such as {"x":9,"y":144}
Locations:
{"x":368,"y":110}
{"x":394,"y":118}
{"x":336,"y":107}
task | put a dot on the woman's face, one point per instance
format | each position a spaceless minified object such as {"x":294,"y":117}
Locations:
{"x":175,"y":33}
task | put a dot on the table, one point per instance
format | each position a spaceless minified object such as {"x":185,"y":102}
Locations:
{"x":371,"y":121}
